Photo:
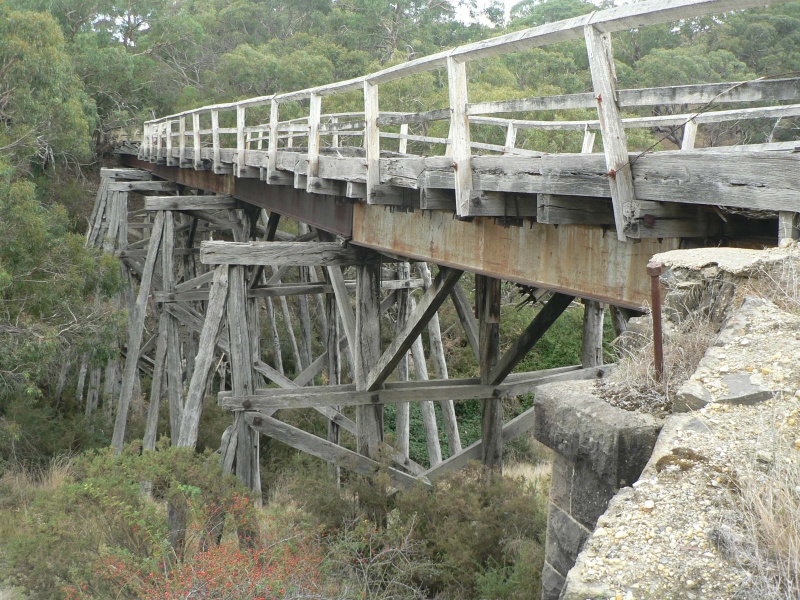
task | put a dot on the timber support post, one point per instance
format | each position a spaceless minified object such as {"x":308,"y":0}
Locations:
{"x":487,"y":301}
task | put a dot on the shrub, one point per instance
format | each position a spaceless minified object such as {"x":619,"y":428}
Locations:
{"x":474,"y":534}
{"x":119,"y":538}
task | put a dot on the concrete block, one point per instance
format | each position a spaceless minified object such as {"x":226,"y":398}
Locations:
{"x":552,"y":583}
{"x":565,"y":538}
{"x":585,"y":429}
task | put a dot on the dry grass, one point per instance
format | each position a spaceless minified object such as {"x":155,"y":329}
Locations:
{"x":20,"y":486}
{"x":780,"y":284}
{"x":533,"y":473}
{"x":633,"y":384}
{"x":765,"y":535}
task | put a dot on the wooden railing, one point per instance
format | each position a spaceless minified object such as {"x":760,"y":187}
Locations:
{"x":183,"y":131}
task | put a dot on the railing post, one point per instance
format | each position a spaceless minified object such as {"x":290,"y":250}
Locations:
{"x":314,"y":116}
{"x":272,"y":140}
{"x":459,"y":134}
{"x":160,"y":145}
{"x":197,"y":159}
{"x":215,"y":149}
{"x":168,"y":134}
{"x":615,"y":142}
{"x":403,"y":146}
{"x":589,"y":137}
{"x":689,"y":135}
{"x":181,"y":140}
{"x":241,"y":153}
{"x":372,"y":139}
{"x":335,"y":136}
{"x":144,"y":149}
{"x":511,"y":137}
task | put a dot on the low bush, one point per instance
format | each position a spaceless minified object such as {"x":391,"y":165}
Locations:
{"x":473,"y":535}
{"x":97,"y":535}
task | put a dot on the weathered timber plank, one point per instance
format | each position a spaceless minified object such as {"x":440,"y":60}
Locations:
{"x":733,"y":91}
{"x":295,"y":254}
{"x":328,"y":451}
{"x":348,"y":396}
{"x":418,"y":320}
{"x":192,"y":203}
{"x":615,"y":141}
{"x":366,"y":354}
{"x":135,"y":331}
{"x":142,"y":186}
{"x":499,"y":204}
{"x":467,"y":317}
{"x":288,"y":289}
{"x":205,"y":356}
{"x":552,"y":209}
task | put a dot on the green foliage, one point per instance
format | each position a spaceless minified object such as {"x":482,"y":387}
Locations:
{"x":52,"y":290}
{"x":100,"y":513}
{"x":44,"y":113}
{"x":474,"y":535}
{"x":475,"y":520}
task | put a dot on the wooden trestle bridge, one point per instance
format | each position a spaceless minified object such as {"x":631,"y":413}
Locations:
{"x":205,"y":249}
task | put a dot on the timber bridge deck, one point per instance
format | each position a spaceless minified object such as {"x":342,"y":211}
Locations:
{"x":576,"y":225}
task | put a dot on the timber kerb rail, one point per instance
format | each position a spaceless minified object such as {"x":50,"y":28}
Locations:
{"x":181,"y":140}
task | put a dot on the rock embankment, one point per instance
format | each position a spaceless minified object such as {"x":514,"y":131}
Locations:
{"x":665,"y":537}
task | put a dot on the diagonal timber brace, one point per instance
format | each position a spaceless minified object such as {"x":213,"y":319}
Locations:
{"x":418,"y":320}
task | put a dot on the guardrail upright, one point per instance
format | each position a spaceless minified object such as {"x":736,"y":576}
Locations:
{"x":459,"y":133}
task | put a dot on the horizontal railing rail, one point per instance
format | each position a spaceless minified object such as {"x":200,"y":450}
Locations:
{"x":162,"y":137}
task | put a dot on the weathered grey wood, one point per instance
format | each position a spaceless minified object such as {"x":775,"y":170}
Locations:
{"x":273,"y":291}
{"x":788,"y":225}
{"x":427,"y":409}
{"x":570,"y":210}
{"x":615,"y":142}
{"x":346,"y":395}
{"x":366,"y":354}
{"x":195,"y":282}
{"x":428,"y":306}
{"x":372,"y":140}
{"x":156,"y":388}
{"x":191,"y":203}
{"x":276,"y":341}
{"x":307,"y":442}
{"x":334,"y":370}
{"x":487,"y":295}
{"x":466,"y":317}
{"x":241,"y":360}
{"x":93,"y":392}
{"x":273,"y":374}
{"x":592,"y":346}
{"x":343,"y":305}
{"x":295,"y":254}
{"x":142,"y":186}
{"x":289,"y":323}
{"x":459,"y":134}
{"x":498,"y":204}
{"x":403,"y":414}
{"x":174,"y":373}
{"x":436,"y":199}
{"x":557,"y":304}
{"x":204,"y":359}
{"x":735,"y":91}
{"x":98,"y":212}
{"x":135,"y":330}
{"x":125,"y":174}
{"x":439,"y":361}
